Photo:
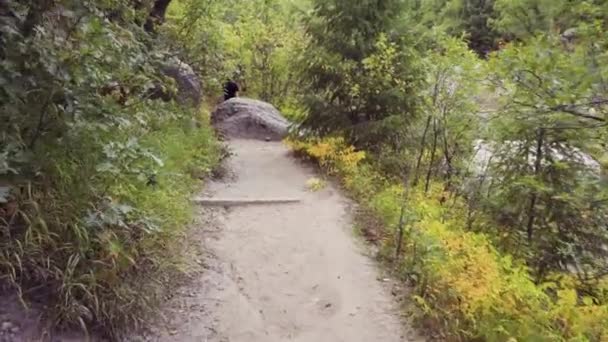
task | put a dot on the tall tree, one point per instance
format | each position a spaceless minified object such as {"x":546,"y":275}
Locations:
{"x":523,"y":19}
{"x":360,"y":69}
{"x":549,"y":135}
{"x":476,"y":16}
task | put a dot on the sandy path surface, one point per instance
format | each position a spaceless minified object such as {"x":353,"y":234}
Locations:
{"x":286,"y":272}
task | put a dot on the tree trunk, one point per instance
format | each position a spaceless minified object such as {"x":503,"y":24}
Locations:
{"x":400,"y":232}
{"x":447,"y":156}
{"x":423,"y":142}
{"x":432,"y":161}
{"x":534,"y":195}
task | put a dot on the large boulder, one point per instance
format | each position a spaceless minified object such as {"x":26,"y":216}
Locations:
{"x":188,"y":82}
{"x":249,"y":119}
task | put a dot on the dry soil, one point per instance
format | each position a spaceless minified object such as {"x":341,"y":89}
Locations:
{"x":280,"y":272}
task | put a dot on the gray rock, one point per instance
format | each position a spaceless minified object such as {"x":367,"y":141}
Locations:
{"x":188,"y":82}
{"x":487,"y":152}
{"x":569,"y":34}
{"x":250,"y":119}
{"x":6,"y":326}
{"x":5,"y":192}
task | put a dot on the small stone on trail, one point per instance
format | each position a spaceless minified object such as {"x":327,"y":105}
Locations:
{"x":328,"y":305}
{"x":315,"y":184}
{"x":7,"y":326}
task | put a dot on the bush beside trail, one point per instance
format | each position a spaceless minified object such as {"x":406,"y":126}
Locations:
{"x":96,"y":176}
{"x":465,"y":289}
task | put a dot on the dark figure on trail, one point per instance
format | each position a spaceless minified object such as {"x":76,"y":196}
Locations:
{"x":231,"y":90}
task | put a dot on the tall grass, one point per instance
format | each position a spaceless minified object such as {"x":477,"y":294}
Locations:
{"x":98,"y":243}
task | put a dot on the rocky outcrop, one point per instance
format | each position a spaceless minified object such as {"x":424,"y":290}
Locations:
{"x":188,"y":82}
{"x":249,"y":119}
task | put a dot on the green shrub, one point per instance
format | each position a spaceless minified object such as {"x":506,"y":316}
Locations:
{"x":96,"y":176}
{"x":97,"y":242}
{"x":464,"y":287}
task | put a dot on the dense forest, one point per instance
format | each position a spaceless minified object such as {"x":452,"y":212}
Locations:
{"x":471,"y":132}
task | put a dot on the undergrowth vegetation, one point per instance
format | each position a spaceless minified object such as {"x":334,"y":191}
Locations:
{"x":464,"y":287}
{"x":475,"y":131}
{"x":97,"y":172}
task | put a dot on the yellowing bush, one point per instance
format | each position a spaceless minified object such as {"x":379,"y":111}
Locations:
{"x":332,"y":153}
{"x":464,"y":286}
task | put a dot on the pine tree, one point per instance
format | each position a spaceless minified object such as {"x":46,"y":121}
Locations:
{"x":476,"y":16}
{"x":359,"y":69}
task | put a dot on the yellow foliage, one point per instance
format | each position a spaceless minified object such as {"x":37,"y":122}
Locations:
{"x":466,"y":285}
{"x":315,"y":184}
{"x":471,"y":272}
{"x":333,"y":154}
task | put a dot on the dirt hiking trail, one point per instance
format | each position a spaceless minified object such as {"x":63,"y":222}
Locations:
{"x":280,"y":272}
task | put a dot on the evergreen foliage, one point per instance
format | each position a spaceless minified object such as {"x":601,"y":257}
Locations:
{"x":360,"y":72}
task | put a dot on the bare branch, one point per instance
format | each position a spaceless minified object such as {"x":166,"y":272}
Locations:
{"x":574,"y":110}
